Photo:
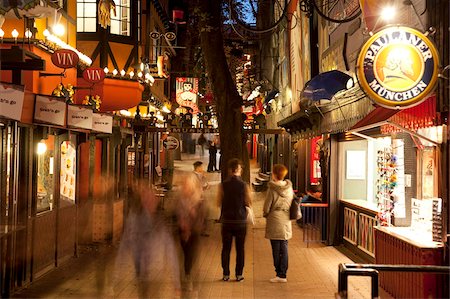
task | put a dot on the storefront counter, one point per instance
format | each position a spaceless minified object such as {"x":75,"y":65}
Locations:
{"x":400,"y":245}
{"x":358,"y":220}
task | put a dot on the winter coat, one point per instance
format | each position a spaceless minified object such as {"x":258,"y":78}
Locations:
{"x":276,"y":210}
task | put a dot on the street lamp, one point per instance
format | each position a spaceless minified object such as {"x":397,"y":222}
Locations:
{"x":388,"y":13}
{"x":58,"y":29}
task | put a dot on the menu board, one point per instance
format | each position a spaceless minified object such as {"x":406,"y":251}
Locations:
{"x":79,"y":117}
{"x":11,"y":101}
{"x":68,"y":171}
{"x":50,"y":110}
{"x":437,"y":219}
{"x":102,"y":123}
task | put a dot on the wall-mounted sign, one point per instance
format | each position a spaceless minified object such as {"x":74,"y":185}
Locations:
{"x":171,"y":143}
{"x":94,"y":74}
{"x":79,"y":117}
{"x":187,"y":90}
{"x":102,"y":123}
{"x":398,"y":67}
{"x":50,"y":110}
{"x":11,"y":101}
{"x":65,"y":58}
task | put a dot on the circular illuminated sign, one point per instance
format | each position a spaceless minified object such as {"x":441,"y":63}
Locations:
{"x":398,"y":67}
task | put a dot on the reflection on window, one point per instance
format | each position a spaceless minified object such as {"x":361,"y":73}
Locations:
{"x":86,"y":15}
{"x":120,"y":22}
{"x":68,"y":173}
{"x":45,"y":176}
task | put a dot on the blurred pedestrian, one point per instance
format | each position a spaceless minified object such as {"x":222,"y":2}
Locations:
{"x":278,"y":225}
{"x":233,"y":197}
{"x":191,"y":215}
{"x":201,"y":142}
{"x":148,"y":240}
{"x":212,"y":165}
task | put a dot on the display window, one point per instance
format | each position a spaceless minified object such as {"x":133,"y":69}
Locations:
{"x":396,"y":176}
{"x":45,"y":174}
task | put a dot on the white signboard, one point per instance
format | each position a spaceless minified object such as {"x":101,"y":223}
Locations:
{"x":79,"y":117}
{"x":356,"y":165}
{"x":50,"y":110}
{"x":11,"y":101}
{"x":102,"y":123}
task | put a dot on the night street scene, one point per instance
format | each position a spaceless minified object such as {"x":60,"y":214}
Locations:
{"x":224,"y":149}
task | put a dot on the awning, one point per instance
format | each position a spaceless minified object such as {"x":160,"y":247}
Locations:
{"x":115,"y":94}
{"x":377,"y":115}
{"x":325,"y":85}
{"x":299,"y":121}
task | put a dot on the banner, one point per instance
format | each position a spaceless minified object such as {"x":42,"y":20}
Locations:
{"x":11,"y":101}
{"x":186,"y":93}
{"x":102,"y":123}
{"x":50,"y":110}
{"x":79,"y":117}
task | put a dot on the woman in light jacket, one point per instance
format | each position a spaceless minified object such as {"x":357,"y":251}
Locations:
{"x":278,"y":225}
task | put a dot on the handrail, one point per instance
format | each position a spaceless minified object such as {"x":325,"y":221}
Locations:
{"x":314,"y":205}
{"x":346,"y":270}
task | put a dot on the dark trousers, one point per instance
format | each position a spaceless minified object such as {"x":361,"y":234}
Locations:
{"x":190,"y":249}
{"x":280,"y":256}
{"x":238,"y":231}
{"x":212,"y":165}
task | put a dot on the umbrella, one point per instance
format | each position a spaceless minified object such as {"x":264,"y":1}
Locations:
{"x":325,"y":85}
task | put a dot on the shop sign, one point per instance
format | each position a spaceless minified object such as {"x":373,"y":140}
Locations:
{"x":79,"y":117}
{"x":315,"y":170}
{"x":171,"y":143}
{"x":102,"y":123}
{"x":49,"y":110}
{"x":94,"y":74}
{"x":398,"y":67}
{"x":11,"y":101}
{"x":186,"y":93}
{"x":65,"y":58}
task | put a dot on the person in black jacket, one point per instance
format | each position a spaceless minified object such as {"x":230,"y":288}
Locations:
{"x":233,"y":197}
{"x":212,"y":165}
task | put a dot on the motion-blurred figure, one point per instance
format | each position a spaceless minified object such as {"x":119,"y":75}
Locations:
{"x":191,"y":215}
{"x":150,"y":243}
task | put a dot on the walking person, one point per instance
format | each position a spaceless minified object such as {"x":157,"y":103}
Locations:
{"x":278,"y":225}
{"x":201,"y":142}
{"x":191,"y":215}
{"x":233,"y":197}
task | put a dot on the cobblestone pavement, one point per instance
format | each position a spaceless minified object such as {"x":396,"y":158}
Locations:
{"x":313,"y":270}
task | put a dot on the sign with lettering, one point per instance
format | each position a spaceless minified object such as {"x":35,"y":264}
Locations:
{"x":94,"y":74}
{"x":398,"y":67}
{"x":65,"y":58}
{"x":50,"y":110}
{"x":11,"y":101}
{"x":186,"y":93}
{"x":102,"y":123}
{"x":79,"y":117}
{"x":171,"y":143}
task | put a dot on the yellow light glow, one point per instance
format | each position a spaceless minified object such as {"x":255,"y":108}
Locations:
{"x":15,"y":33}
{"x":2,"y":33}
{"x":388,"y":13}
{"x":59,"y":30}
{"x":28,"y":33}
{"x":106,"y":70}
{"x":41,"y":148}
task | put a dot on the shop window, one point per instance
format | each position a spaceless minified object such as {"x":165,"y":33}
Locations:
{"x":45,"y":174}
{"x":121,"y":22}
{"x":68,"y":173}
{"x":86,"y":15}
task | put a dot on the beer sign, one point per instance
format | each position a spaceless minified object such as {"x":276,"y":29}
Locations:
{"x":94,"y":74}
{"x":398,"y":67}
{"x":65,"y":58}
